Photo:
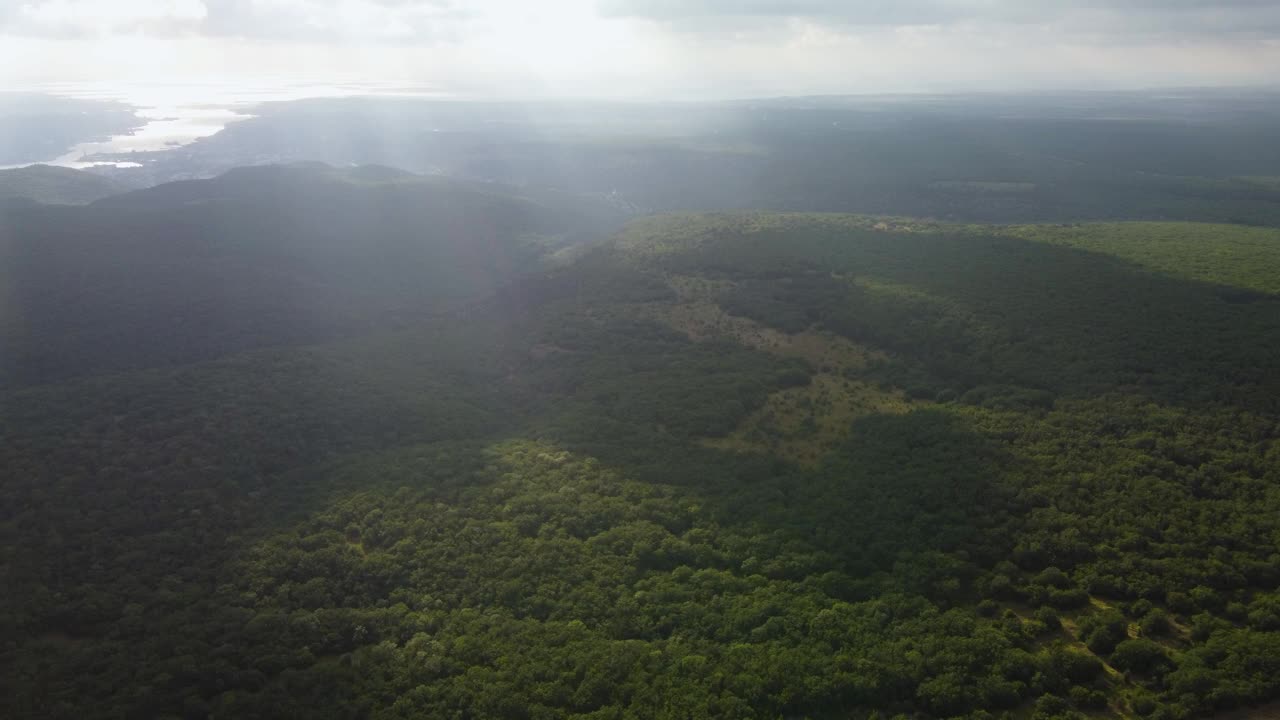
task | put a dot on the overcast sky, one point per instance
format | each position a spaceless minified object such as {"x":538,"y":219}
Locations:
{"x":649,"y":48}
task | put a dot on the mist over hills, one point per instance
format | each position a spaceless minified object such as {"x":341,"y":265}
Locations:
{"x":259,"y":256}
{"x":1190,"y":155}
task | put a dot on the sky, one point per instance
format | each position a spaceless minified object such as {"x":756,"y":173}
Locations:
{"x":643,"y":49}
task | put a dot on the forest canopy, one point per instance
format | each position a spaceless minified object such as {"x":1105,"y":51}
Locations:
{"x":742,"y":465}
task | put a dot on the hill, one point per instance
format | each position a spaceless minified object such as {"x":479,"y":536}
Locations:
{"x":259,"y":256}
{"x":722,"y":466}
{"x":56,"y":185}
{"x":988,"y":158}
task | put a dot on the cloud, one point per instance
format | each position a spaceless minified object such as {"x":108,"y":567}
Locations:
{"x":374,"y":21}
{"x":94,"y":17}
{"x":653,"y":48}
{"x":1109,"y":20}
{"x":452,"y":21}
{"x":869,"y":12}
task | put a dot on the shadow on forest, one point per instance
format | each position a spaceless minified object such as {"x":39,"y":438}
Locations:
{"x":900,"y":491}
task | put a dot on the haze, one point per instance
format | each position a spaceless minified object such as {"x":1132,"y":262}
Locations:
{"x":640,"y":359}
{"x":645,"y":49}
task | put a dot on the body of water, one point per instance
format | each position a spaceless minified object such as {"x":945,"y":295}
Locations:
{"x":174,"y":115}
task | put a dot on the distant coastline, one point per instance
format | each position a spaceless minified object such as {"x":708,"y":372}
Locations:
{"x":173,"y":116}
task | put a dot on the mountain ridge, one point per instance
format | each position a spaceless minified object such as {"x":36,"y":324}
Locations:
{"x":49,"y":184}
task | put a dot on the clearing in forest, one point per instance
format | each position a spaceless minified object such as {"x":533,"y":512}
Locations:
{"x":800,"y":424}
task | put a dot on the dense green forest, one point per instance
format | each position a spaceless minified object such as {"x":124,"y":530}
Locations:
{"x":743,"y":465}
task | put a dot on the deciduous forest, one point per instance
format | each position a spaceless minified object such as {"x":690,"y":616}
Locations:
{"x":717,"y":465}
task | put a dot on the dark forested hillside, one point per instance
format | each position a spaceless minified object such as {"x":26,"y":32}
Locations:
{"x":48,"y":184}
{"x":720,"y":466}
{"x":258,"y":257}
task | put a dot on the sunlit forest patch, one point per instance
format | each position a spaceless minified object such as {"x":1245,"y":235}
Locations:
{"x":703,"y":320}
{"x":1231,"y":255}
{"x":700,"y":316}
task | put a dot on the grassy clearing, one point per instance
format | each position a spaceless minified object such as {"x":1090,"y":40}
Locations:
{"x":698,"y":316}
{"x":804,"y":424}
{"x":800,"y":424}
